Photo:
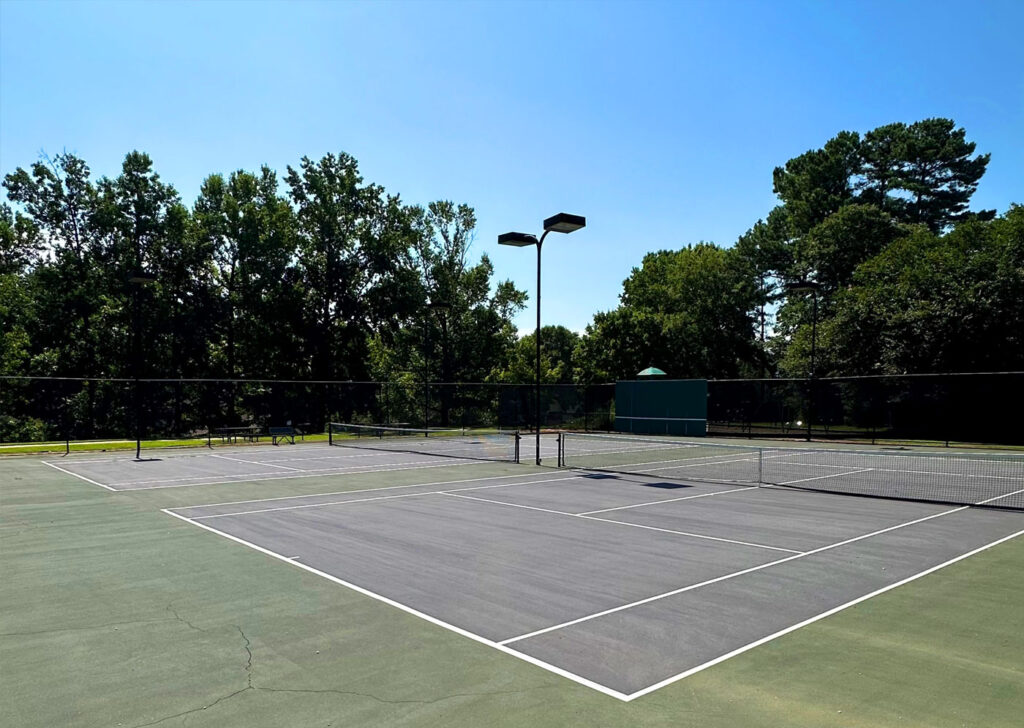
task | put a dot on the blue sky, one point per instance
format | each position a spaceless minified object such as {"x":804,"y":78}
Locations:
{"x":661,"y":122}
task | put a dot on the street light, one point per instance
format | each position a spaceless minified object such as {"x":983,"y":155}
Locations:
{"x":563,"y":222}
{"x":438,"y":308}
{"x":805,"y":286}
{"x":137,"y":279}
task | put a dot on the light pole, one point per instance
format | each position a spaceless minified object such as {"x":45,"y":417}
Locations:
{"x":563,"y":222}
{"x":438,"y":308}
{"x":811,"y":287}
{"x":138,"y":279}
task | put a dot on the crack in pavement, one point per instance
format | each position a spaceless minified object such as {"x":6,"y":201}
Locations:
{"x":83,"y":629}
{"x":170,"y":608}
{"x":248,"y":672}
{"x":248,"y":667}
{"x":248,"y":651}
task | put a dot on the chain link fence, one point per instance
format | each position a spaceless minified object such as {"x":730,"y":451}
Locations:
{"x":981,"y":408}
{"x":943,"y":408}
{"x":37,"y":409}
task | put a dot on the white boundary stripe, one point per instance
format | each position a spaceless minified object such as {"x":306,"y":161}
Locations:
{"x":398,"y":605}
{"x":830,"y":475}
{"x":289,"y":476}
{"x":829,"y":613}
{"x":916,"y":472}
{"x":725,"y":577}
{"x":364,"y":500}
{"x":257,"y":462}
{"x":340,"y":469}
{"x":999,"y":497}
{"x":620,"y":523}
{"x":76,"y":475}
{"x":668,"y":500}
{"x":359,"y":490}
{"x":201,"y":451}
{"x":694,"y":535}
{"x":959,"y":456}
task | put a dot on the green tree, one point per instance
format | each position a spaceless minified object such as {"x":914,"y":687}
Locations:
{"x":59,"y":200}
{"x":248,"y":229}
{"x":930,"y":303}
{"x":349,"y":249}
{"x":922,"y":173}
{"x":819,"y":182}
{"x":140,"y":219}
{"x":685,"y":311}
{"x":832,"y":249}
{"x":765,"y":254}
{"x":557,"y":357}
{"x":454,"y":327}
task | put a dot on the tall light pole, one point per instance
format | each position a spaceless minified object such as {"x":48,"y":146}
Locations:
{"x":438,"y":308}
{"x":811,"y":287}
{"x":138,"y":279}
{"x":563,"y":222}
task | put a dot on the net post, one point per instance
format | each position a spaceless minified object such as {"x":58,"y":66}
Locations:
{"x":760,"y":466}
{"x":561,"y":449}
{"x":330,"y":434}
{"x":515,"y":456}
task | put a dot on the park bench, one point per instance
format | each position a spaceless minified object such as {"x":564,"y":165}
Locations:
{"x":282,"y":433}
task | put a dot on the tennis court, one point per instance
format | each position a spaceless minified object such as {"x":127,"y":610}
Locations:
{"x":401,"y":449}
{"x":623,"y":581}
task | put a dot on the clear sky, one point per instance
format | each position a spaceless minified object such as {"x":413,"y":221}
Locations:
{"x":661,"y":122}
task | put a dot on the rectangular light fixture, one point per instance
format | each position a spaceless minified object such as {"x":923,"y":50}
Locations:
{"x":563,"y":222}
{"x":519,"y":240}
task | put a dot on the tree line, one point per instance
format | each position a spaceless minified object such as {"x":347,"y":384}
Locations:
{"x":322,"y":275}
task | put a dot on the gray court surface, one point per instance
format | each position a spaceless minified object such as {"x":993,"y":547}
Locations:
{"x":992,"y":479}
{"x":170,"y":469}
{"x":624,"y":583}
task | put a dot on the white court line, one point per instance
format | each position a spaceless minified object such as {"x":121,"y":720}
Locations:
{"x":358,"y":490}
{"x":828,"y":613}
{"x":695,"y":535}
{"x":620,"y":523}
{"x":288,"y":476}
{"x":942,"y":458}
{"x":363,"y":500}
{"x":258,"y":462}
{"x":999,"y":497}
{"x":204,"y":452}
{"x":725,"y":577}
{"x":334,"y":469}
{"x":830,"y":475}
{"x":916,"y":472}
{"x":76,"y":475}
{"x":668,"y":500}
{"x":415,"y":612}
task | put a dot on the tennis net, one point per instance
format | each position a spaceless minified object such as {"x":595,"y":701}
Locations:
{"x":983,"y":479}
{"x":452,"y":443}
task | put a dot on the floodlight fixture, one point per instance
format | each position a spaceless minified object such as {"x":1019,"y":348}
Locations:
{"x":518,"y":240}
{"x":563,"y":222}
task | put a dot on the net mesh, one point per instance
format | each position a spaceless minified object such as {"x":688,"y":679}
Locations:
{"x":984,"y":479}
{"x":460,"y":443}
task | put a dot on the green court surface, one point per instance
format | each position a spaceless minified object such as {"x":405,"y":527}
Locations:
{"x":114,"y":614}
